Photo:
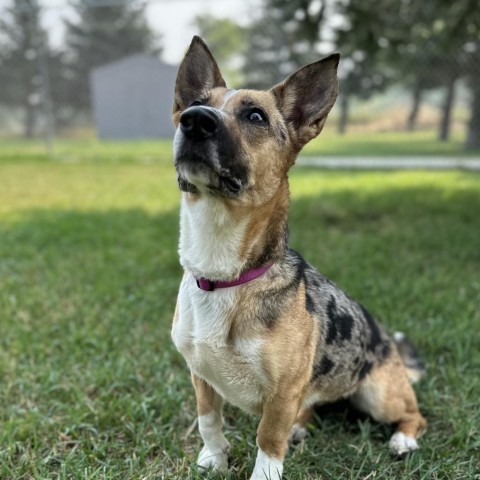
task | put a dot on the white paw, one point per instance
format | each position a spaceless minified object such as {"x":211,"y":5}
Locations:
{"x":400,"y":444}
{"x":265,"y":475}
{"x":217,"y":461}
{"x":297,"y":434}
{"x":267,"y":468}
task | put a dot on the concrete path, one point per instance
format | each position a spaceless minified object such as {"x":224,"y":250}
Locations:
{"x":392,"y":163}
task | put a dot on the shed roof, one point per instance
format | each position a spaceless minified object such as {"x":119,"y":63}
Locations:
{"x":137,"y":60}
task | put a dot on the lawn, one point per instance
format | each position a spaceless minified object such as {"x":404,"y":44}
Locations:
{"x":91,"y":385}
{"x":378,"y":144}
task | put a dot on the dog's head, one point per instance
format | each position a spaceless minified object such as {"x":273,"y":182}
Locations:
{"x":240,"y":143}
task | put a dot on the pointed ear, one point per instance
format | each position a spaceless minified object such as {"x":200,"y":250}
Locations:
{"x":197,"y":74}
{"x":307,"y":96}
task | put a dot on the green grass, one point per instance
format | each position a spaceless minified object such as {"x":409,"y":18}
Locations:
{"x":88,"y":150}
{"x":385,"y":144}
{"x":423,"y":143}
{"x":91,"y":386}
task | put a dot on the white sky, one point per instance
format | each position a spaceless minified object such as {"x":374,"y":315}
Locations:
{"x":172,"y":18}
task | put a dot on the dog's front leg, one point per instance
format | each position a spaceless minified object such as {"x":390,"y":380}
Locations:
{"x":272,"y":437}
{"x":214,"y":453}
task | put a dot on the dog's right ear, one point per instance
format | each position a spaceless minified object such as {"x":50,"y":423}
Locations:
{"x":198,"y":73}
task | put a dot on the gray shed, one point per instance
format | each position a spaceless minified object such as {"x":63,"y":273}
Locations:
{"x":133,"y":98}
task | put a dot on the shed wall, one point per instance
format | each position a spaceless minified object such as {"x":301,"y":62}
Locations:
{"x":133,"y":98}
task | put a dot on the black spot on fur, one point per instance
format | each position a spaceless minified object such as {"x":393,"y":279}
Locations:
{"x":269,"y":253}
{"x":386,"y":350}
{"x":375,"y":334}
{"x":340,"y":324}
{"x":332,"y":332}
{"x":273,"y":250}
{"x":365,"y":370}
{"x":325,"y":366}
{"x":309,"y":304}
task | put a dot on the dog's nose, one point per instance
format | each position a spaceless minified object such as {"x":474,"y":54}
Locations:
{"x":198,"y":123}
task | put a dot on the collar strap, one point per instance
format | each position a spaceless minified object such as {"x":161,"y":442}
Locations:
{"x":245,"y":277}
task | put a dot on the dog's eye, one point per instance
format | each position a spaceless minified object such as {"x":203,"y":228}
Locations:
{"x":257,"y":116}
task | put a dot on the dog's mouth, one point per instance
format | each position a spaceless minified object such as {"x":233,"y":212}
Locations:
{"x":207,"y":175}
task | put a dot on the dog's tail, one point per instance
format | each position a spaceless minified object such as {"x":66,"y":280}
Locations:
{"x":413,"y":363}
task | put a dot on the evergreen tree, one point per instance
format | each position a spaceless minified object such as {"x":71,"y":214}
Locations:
{"x":22,"y":41}
{"x":104,"y":33}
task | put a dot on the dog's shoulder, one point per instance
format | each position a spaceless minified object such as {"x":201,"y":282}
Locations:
{"x":350,"y":341}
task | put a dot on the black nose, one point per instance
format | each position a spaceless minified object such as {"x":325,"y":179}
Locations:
{"x":198,"y":123}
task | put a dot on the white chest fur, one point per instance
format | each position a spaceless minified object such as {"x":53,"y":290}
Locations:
{"x":201,"y":333}
{"x":210,"y":240}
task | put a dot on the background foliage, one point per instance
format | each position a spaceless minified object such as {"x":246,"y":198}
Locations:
{"x":411,"y":65}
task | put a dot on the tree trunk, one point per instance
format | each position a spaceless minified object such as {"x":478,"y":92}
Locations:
{"x":29,"y":108}
{"x":416,"y":101}
{"x":444,"y":132}
{"x":344,"y":112}
{"x":473,"y":135}
{"x":29,"y":121}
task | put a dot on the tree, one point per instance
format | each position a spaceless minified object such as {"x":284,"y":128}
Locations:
{"x":361,"y":80}
{"x":428,"y":59}
{"x":411,"y":40}
{"x":363,"y":72}
{"x":103,"y":34}
{"x":424,"y":70}
{"x":23,"y":40}
{"x":454,"y":41}
{"x":420,"y":45}
{"x":304,"y":18}
{"x":277,"y":45}
{"x":473,"y":132}
{"x":227,"y":40}
{"x":462,"y":22}
{"x":268,"y":54}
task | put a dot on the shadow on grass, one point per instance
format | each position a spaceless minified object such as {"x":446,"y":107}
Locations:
{"x":408,"y":254}
{"x":85,"y":282}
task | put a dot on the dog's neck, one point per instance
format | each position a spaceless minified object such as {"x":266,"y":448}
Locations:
{"x":219,"y":241}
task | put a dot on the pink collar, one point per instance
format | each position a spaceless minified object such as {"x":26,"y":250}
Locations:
{"x":245,"y":277}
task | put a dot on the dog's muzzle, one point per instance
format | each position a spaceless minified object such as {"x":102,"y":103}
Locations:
{"x":198,"y":123}
{"x":206,"y":154}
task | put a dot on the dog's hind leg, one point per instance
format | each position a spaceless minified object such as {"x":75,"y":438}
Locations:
{"x":299,"y":431}
{"x":386,"y":394}
{"x":214,"y":453}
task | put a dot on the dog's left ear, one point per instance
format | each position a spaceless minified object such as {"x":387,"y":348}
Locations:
{"x":307,"y":96}
{"x":198,"y":73}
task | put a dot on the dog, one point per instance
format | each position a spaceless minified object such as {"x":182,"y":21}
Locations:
{"x":257,"y":325}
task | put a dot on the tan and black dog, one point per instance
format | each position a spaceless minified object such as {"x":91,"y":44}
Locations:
{"x":257,"y":325}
